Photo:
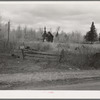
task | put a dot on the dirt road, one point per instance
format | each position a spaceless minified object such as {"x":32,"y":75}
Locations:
{"x":80,"y":85}
{"x":74,"y":80}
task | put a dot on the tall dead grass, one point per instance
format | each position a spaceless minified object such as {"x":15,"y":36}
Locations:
{"x":80,"y":56}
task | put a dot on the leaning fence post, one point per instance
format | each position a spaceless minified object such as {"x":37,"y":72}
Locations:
{"x":23,"y":54}
{"x":61,"y":55}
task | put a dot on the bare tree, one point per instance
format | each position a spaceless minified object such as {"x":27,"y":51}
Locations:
{"x":58,"y":29}
{"x":8,"y":32}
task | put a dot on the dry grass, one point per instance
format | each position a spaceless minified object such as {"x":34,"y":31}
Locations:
{"x":41,"y":46}
{"x":76,"y":57}
{"x":81,"y":55}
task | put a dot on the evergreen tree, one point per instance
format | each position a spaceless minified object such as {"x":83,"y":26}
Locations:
{"x":91,"y":35}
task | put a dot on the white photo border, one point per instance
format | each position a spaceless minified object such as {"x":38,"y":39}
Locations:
{"x":48,"y":94}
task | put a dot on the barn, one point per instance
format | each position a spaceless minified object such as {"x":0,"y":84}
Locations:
{"x":47,"y":36}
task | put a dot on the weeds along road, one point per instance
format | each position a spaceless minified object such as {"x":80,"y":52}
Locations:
{"x":51,"y":80}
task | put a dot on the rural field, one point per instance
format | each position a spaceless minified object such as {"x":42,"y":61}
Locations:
{"x":77,"y":66}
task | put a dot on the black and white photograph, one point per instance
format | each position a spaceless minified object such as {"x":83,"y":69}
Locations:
{"x":50,"y":45}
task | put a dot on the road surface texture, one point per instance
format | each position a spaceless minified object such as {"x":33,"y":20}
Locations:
{"x":90,"y":84}
{"x":73,"y":80}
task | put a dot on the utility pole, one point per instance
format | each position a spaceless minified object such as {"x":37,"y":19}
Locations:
{"x":8,"y":31}
{"x":44,"y":34}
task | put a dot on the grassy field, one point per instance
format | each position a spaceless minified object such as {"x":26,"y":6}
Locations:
{"x":76,"y":57}
{"x":79,"y":62}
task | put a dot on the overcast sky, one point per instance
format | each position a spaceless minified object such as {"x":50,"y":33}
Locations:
{"x":70,"y":16}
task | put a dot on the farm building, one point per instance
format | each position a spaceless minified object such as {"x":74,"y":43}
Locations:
{"x":47,"y":36}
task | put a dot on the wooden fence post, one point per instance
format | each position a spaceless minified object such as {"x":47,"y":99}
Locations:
{"x":22,"y":50}
{"x":23,"y":55}
{"x":61,"y":55}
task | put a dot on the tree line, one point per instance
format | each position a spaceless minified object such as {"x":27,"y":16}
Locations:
{"x":21,"y":34}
